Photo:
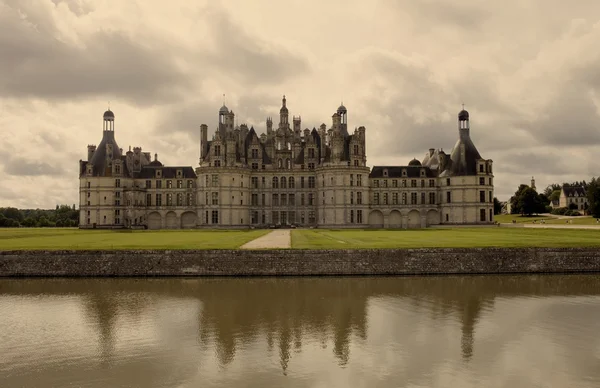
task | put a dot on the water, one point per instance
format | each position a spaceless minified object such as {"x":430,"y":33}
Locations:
{"x":472,"y":331}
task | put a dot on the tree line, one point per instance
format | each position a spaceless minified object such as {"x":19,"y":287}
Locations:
{"x":527,"y":201}
{"x":62,"y":216}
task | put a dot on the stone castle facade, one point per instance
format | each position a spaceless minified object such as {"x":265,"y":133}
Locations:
{"x":286,"y":176}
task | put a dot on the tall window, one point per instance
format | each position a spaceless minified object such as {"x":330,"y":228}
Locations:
{"x":355,"y":149}
{"x":158,"y":199}
{"x":179,"y":184}
{"x":481,"y":196}
{"x":375,"y":198}
{"x":215,"y":180}
{"x":283,"y":182}
{"x":432,"y":198}
{"x":359,"y":180}
{"x":359,"y":198}
{"x":292,"y":183}
{"x":169,"y":184}
{"x":311,"y":182}
{"x":448,"y":197}
{"x":254,"y":153}
{"x":148,"y":199}
{"x":217,"y":150}
{"x":117,"y":183}
{"x":215,"y":198}
{"x":215,"y":216}
{"x":275,"y":182}
{"x":413,"y":198}
{"x":482,"y":215}
{"x":190,"y":199}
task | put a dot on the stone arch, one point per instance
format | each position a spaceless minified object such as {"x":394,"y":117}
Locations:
{"x":395,"y":219}
{"x":414,"y":219}
{"x":376,"y":218}
{"x":433,"y":217}
{"x":154,"y":220}
{"x":188,"y":220}
{"x":171,"y":220}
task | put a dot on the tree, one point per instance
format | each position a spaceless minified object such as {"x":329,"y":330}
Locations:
{"x":514,"y":200}
{"x":529,"y":202}
{"x":551,"y":188}
{"x":555,"y":195}
{"x":497,"y":206}
{"x":593,"y":197}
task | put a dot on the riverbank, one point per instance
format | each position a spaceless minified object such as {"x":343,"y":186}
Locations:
{"x":290,"y":262}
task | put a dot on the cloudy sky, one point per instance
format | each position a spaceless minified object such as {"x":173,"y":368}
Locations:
{"x":528,"y":71}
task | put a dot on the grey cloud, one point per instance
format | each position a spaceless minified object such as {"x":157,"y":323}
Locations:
{"x":18,"y":166}
{"x":34,"y":63}
{"x":457,"y":14}
{"x":247,"y":58}
{"x":534,"y":162}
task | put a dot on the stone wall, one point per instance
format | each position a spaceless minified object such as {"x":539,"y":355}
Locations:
{"x":299,"y":262}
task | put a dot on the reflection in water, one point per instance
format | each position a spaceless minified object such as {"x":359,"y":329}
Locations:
{"x":359,"y":331}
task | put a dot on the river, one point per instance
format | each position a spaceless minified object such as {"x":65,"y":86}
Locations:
{"x":458,"y":331}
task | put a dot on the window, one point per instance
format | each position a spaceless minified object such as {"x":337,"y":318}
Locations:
{"x":404,"y":199}
{"x":490,"y":181}
{"x":482,"y":215}
{"x":88,"y":194}
{"x":376,"y":183}
{"x":288,"y":164}
{"x":275,"y":200}
{"x":432,"y":183}
{"x":394,"y":198}
{"x":283,"y":182}
{"x":158,"y":184}
{"x":432,"y":198}
{"x":351,"y":198}
{"x":356,"y":163}
{"x":117,"y":168}
{"x":385,"y":183}
{"x":169,"y":184}
{"x":355,"y":149}
{"x":283,"y":200}
{"x":118,"y":194}
{"x":255,"y":166}
{"x":255,"y":154}
{"x":311,"y":152}
{"x":311,"y":199}
{"x":148,"y":184}
{"x":254,"y":182}
{"x":279,"y":163}
{"x":254,"y":217}
{"x":148,"y":199}
{"x":301,"y":182}
{"x":311,"y":166}
{"x":291,"y":183}
{"x":311,"y":182}
{"x":481,"y":196}
{"x":292,"y":199}
{"x":481,"y":170}
{"x":447,"y":181}
{"x":395,"y":183}
{"x":215,"y":198}
{"x":422,"y":198}
{"x":275,"y":182}
{"x":117,"y":183}
{"x":375,"y":198}
{"x":422,"y":182}
{"x":217,"y":150}
{"x":158,"y":199}
{"x":359,"y":198}
{"x":413,"y":183}
{"x":413,"y":198}
{"x":190,"y":199}
{"x":215,"y":180}
{"x":179,"y":199}
{"x":264,"y":202}
{"x":448,"y":197}
{"x":169,"y":199}
{"x":89,"y":185}
{"x":359,"y":217}
{"x":491,"y":216}
{"x":190,"y":184}
{"x":217,"y":163}
{"x":359,"y":180}
{"x":491,"y":197}
{"x":385,"y":198}
{"x":351,"y":216}
{"x":215,"y":216}
{"x":302,"y":199}
{"x":482,"y":181}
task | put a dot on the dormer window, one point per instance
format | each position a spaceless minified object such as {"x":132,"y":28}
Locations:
{"x":403,"y":172}
{"x":178,"y":173}
{"x":385,"y":172}
{"x":422,"y":172}
{"x":481,"y":168}
{"x":158,"y":173}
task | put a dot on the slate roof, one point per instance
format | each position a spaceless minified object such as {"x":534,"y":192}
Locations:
{"x":463,"y":158}
{"x":396,"y":172}
{"x":570,"y":191}
{"x":99,"y":157}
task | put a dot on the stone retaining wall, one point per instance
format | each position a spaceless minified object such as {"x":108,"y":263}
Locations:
{"x":299,"y":262}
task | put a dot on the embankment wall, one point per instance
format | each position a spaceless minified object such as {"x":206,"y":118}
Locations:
{"x":299,"y":262}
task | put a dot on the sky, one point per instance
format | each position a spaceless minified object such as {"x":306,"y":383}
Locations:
{"x":528,"y":72}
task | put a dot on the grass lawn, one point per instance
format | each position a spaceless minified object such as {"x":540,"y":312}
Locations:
{"x":71,"y":238}
{"x":508,"y":218}
{"x":444,"y":238}
{"x":580,"y":220}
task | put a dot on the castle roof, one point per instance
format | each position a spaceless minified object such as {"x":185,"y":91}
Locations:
{"x":396,"y":172}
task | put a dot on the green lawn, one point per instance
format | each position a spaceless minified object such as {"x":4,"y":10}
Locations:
{"x":444,"y":238}
{"x":508,"y":218}
{"x":70,"y":238}
{"x":581,"y":220}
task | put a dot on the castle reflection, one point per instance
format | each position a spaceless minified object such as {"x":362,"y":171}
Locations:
{"x":234,"y":313}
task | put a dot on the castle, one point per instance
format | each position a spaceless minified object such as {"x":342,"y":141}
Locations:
{"x":284,"y":177}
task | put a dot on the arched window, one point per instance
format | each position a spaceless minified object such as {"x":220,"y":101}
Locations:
{"x":283,"y":182}
{"x":279,"y":163}
{"x":288,"y":164}
{"x":292,"y":183}
{"x":275,"y":182}
{"x":289,"y":145}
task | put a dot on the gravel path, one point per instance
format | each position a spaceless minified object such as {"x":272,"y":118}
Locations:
{"x":275,"y":239}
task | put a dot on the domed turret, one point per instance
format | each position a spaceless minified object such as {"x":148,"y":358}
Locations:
{"x":463,"y":115}
{"x":342,"y":109}
{"x":224,"y":110}
{"x":414,"y":162}
{"x":109,"y":115}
